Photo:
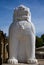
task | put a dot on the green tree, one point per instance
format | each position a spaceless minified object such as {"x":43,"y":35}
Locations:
{"x":42,"y":36}
{"x":39,"y":42}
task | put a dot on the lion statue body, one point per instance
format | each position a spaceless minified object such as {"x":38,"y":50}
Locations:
{"x":22,"y":37}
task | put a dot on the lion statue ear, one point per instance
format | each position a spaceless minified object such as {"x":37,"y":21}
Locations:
{"x":21,"y":13}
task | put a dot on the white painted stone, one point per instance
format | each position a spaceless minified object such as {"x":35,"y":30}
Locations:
{"x":22,"y":37}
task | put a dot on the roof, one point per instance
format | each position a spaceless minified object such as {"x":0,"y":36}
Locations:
{"x":40,"y":48}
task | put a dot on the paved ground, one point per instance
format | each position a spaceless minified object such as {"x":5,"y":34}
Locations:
{"x":40,"y":62}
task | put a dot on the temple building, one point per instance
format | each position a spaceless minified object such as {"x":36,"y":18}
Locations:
{"x":3,"y":50}
{"x":40,"y":52}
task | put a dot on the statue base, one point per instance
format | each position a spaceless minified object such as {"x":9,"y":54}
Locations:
{"x":40,"y":62}
{"x":20,"y":64}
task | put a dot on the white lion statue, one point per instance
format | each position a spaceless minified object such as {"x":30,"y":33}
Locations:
{"x":22,"y":37}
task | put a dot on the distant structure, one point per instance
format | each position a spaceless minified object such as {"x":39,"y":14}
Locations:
{"x":22,"y":37}
{"x":3,"y":50}
{"x":40,"y":52}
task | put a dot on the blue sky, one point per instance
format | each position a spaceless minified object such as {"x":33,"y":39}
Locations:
{"x":37,"y":13}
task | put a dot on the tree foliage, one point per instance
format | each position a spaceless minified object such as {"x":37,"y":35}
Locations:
{"x":42,"y":36}
{"x":39,"y":42}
